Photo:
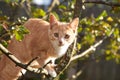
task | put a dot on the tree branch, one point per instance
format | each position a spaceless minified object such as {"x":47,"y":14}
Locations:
{"x":104,"y":3}
{"x":52,"y":5}
{"x":92,"y":48}
{"x":78,"y":8}
{"x":19,"y":63}
{"x":77,"y":11}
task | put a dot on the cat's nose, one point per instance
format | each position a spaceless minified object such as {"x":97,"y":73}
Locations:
{"x":60,"y":43}
{"x":61,"y":40}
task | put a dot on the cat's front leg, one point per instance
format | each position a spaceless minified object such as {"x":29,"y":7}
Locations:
{"x":51,"y":70}
{"x":49,"y":64}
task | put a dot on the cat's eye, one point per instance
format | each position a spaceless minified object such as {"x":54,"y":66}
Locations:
{"x":67,"y":36}
{"x":56,"y":34}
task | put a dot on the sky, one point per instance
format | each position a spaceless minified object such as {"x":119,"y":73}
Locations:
{"x":42,"y":2}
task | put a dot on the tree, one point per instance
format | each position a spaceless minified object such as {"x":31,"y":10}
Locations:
{"x":98,"y":37}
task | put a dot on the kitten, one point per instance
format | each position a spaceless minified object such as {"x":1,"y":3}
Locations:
{"x":46,"y":40}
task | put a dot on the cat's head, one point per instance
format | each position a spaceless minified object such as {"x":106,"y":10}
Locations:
{"x":61,"y":33}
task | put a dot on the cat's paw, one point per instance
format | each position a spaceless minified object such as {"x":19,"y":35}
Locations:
{"x":54,"y":65}
{"x":45,"y":71}
{"x":52,"y":73}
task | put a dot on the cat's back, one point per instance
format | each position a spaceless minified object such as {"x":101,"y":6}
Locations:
{"x":35,"y":24}
{"x":38,"y":36}
{"x":38,"y":29}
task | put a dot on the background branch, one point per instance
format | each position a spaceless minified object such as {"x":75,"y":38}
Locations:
{"x":52,"y":5}
{"x":104,"y":3}
{"x":77,"y":11}
{"x":92,"y":48}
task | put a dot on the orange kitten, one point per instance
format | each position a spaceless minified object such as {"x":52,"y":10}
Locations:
{"x":47,"y":40}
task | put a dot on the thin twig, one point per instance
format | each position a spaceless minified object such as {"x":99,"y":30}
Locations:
{"x":47,"y":64}
{"x":41,"y":69}
{"x":52,"y":5}
{"x":29,"y":63}
{"x":104,"y":3}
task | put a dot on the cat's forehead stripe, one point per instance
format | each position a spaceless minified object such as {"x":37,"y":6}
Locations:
{"x":64,"y":25}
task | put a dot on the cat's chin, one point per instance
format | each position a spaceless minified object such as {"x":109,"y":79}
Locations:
{"x":60,"y":45}
{"x":61,"y":50}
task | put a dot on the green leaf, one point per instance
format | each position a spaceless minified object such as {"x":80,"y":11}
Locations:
{"x":18,"y":36}
{"x":110,"y":19}
{"x":20,"y":32}
{"x":116,"y":32}
{"x":79,"y":29}
{"x":102,"y":15}
{"x":39,"y":13}
{"x":90,"y":38}
{"x":4,"y":43}
{"x":78,"y":46}
{"x":62,"y":7}
{"x":56,"y":15}
{"x":23,"y":30}
{"x":8,"y":1}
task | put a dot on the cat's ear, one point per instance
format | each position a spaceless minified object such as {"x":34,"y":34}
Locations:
{"x":74,"y":23}
{"x":53,"y":20}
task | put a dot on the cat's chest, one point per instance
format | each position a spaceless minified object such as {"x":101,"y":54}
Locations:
{"x":60,"y":51}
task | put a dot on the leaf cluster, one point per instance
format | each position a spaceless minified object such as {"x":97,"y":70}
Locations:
{"x":94,"y":29}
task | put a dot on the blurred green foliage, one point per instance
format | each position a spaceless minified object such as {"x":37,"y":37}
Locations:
{"x":38,"y":13}
{"x":95,"y":29}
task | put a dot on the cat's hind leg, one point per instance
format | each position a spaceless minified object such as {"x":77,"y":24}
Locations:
{"x":9,"y":70}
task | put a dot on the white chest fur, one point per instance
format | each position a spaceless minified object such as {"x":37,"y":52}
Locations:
{"x":61,"y":50}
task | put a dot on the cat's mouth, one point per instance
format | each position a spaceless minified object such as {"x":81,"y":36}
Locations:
{"x":60,"y":43}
